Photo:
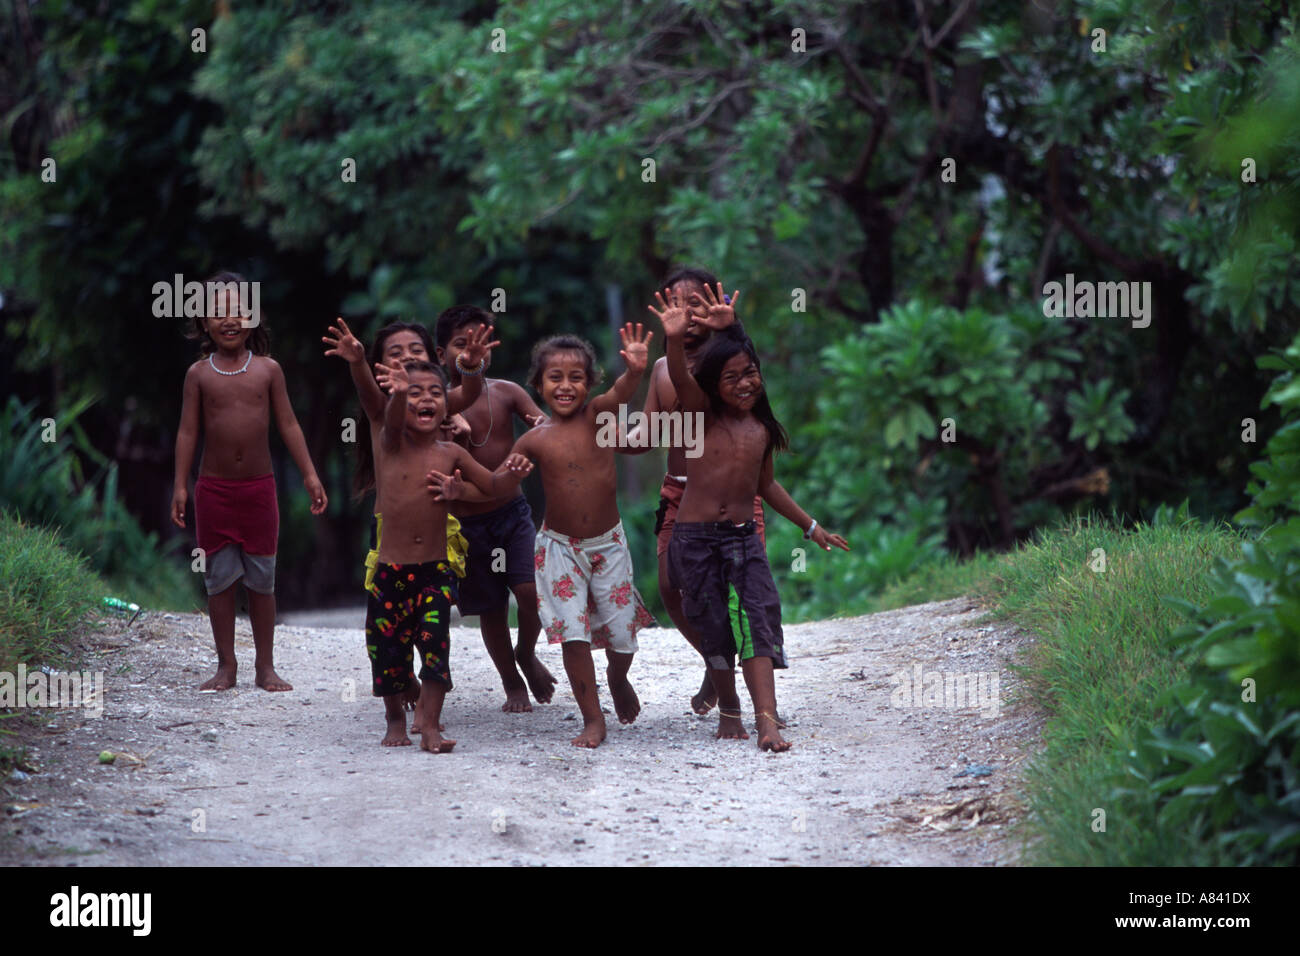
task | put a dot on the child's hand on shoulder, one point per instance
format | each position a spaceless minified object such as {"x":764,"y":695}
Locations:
{"x":824,"y":539}
{"x":535,"y":420}
{"x":445,"y":487}
{"x":722,"y":311}
{"x":671,"y":313}
{"x":392,"y":378}
{"x":316,"y":491}
{"x":344,"y":344}
{"x":636,"y":347}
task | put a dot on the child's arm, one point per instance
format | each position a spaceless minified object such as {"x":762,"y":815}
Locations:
{"x":636,"y":353}
{"x":471,"y":383}
{"x":636,"y":442}
{"x":524,"y":407}
{"x":486,"y":485}
{"x":784,"y":505}
{"x":291,"y":434}
{"x":187,"y":436}
{"x":349,"y":348}
{"x":674,"y":321}
{"x":397,"y":381}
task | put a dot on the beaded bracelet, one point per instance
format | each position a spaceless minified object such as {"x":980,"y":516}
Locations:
{"x":482,"y":364}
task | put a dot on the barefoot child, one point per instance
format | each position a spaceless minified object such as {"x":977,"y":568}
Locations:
{"x":583,"y":567}
{"x":396,"y":344}
{"x":230,"y":396}
{"x":410,"y":601}
{"x":501,"y":533}
{"x":715,"y":557}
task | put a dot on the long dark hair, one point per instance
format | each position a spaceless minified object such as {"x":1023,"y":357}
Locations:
{"x":725,"y":345}
{"x":363,"y":479}
{"x":259,"y":342}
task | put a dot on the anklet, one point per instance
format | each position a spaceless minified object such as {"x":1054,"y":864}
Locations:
{"x":771,"y":717}
{"x":723,"y":713}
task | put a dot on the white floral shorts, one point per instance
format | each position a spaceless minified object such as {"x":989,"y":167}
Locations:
{"x":585,"y":590}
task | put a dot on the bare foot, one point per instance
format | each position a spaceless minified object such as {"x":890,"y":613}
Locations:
{"x":769,"y":734}
{"x":268,"y":679}
{"x":703,"y":701}
{"x":592,"y":734}
{"x":730,"y":726}
{"x":435,"y":743}
{"x":396,"y":736}
{"x":626,"y":703}
{"x":540,"y":681}
{"x":517,"y":701}
{"x":223,"y":679}
{"x":417,"y":722}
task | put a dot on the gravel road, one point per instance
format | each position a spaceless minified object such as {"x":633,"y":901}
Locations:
{"x":877,"y":775}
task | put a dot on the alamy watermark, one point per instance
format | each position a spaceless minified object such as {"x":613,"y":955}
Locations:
{"x":41,"y":688}
{"x":940,"y":689}
{"x":192,"y":299}
{"x":1102,"y":300}
{"x":656,"y":430}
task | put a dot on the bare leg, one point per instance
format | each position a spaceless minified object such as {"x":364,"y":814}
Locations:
{"x":432,"y":694}
{"x":495,"y":628}
{"x":395,"y":715}
{"x":261,"y":614}
{"x":626,"y":703}
{"x":582,"y":678}
{"x":762,"y":688}
{"x":705,"y":697}
{"x":730,"y":725}
{"x":221,"y":614}
{"x":540,"y":680}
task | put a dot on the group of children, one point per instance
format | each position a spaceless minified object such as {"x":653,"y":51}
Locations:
{"x":438,"y":450}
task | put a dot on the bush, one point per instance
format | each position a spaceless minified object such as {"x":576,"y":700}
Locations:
{"x":1225,"y":767}
{"x":43,"y":482}
{"x":45,"y":592}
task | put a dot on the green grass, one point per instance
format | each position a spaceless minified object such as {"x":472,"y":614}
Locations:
{"x":46,"y":592}
{"x":1100,"y":663}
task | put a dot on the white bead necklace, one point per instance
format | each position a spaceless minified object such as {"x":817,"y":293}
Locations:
{"x":239,"y":372}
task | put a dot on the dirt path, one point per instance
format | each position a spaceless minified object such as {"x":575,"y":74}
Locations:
{"x":300,"y":777}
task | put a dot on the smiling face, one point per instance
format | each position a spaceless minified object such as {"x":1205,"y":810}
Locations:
{"x":426,"y":403}
{"x":740,"y":384}
{"x":565,"y":382}
{"x":226,"y":328}
{"x":403,"y":347}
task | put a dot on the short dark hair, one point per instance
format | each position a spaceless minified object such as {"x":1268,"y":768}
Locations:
{"x":456,"y":318}
{"x":432,"y":368}
{"x":691,"y":274}
{"x":544,"y":349}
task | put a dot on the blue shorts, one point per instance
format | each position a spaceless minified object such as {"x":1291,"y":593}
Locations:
{"x":508,"y":528}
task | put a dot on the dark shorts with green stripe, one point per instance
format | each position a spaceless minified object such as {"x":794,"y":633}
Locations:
{"x":727,"y":591}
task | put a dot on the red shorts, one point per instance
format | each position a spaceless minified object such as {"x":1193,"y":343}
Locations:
{"x":670,"y":499}
{"x":240,"y":511}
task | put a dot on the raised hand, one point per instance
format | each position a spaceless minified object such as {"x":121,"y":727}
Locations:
{"x":480,"y":343}
{"x":445,"y":487}
{"x":636,"y":347}
{"x":316,"y":491}
{"x":344,"y":344}
{"x":392,"y":378}
{"x":673,"y":315}
{"x":824,"y":539}
{"x":721,"y":313}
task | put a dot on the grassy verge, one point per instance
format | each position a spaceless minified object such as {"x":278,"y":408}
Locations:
{"x":1100,"y":663}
